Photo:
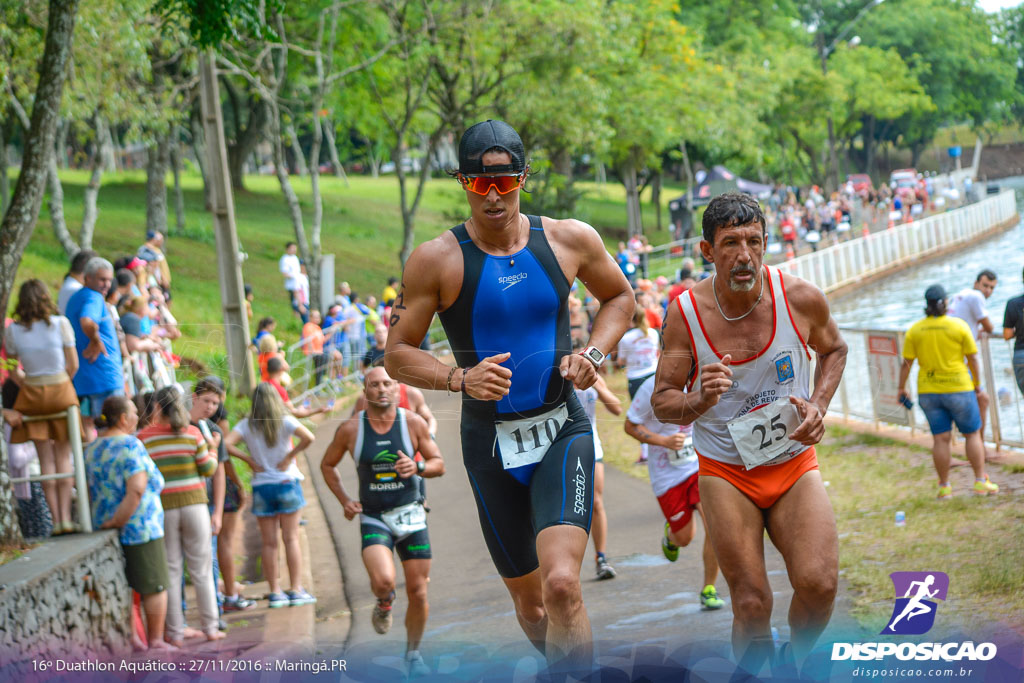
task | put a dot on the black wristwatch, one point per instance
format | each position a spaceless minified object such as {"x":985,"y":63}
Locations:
{"x":421,"y":466}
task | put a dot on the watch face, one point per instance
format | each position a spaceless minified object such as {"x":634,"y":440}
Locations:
{"x":595,"y":355}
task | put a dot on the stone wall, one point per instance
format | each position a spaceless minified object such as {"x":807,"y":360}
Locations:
{"x":64,"y":599}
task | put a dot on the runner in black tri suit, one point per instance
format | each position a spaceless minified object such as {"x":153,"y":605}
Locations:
{"x":382,"y":440}
{"x":500,"y":283}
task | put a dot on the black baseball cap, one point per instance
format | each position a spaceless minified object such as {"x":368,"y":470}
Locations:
{"x":935,"y":293}
{"x":487,"y":135}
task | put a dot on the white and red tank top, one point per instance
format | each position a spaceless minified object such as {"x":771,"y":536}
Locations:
{"x":782,"y":368}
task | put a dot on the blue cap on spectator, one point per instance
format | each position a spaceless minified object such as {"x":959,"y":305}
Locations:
{"x":150,"y":234}
{"x":935,"y":293}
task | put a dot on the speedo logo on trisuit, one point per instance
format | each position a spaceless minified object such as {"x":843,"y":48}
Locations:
{"x":580,"y":505}
{"x":509,"y":280}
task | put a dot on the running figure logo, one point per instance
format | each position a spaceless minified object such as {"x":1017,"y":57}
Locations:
{"x":914,"y":612}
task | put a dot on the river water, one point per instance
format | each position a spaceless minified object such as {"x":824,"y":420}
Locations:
{"x":895,"y":302}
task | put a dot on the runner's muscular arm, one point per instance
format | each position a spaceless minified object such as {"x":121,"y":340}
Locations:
{"x":671,"y":403}
{"x":602,"y":277}
{"x":419,"y":298}
{"x":418,"y":403}
{"x":811,"y":306}
{"x":421,"y":441}
{"x":340,"y":444}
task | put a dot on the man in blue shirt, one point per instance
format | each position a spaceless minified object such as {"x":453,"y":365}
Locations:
{"x":100,"y":372}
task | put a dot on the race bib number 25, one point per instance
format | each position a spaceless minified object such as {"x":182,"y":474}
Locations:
{"x":763,"y":435}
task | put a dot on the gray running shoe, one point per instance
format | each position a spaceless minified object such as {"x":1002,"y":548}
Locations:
{"x":381,"y":617}
{"x":604,"y":570}
{"x":416,"y":665}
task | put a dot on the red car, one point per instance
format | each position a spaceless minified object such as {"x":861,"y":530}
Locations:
{"x":861,"y":182}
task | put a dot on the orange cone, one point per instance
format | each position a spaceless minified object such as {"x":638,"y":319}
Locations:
{"x":789,"y":251}
{"x":865,"y":232}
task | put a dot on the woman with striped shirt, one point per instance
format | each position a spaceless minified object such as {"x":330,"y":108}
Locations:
{"x":183,"y":458}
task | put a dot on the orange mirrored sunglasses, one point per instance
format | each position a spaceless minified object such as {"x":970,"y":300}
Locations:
{"x":482,"y":184}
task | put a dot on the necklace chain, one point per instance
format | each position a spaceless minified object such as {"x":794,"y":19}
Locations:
{"x":739,"y":317}
{"x":479,"y":237}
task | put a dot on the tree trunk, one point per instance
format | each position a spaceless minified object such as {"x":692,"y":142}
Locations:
{"x":56,"y":203}
{"x":300,"y":158}
{"x":409,"y":209}
{"x":20,"y":218}
{"x":332,"y":149}
{"x":107,"y":151}
{"x":199,"y":149}
{"x":869,"y":148}
{"x":634,"y":221}
{"x":92,"y":190}
{"x":656,"y":199}
{"x":290,"y":198}
{"x":156,"y":185}
{"x":62,"y":143}
{"x":5,"y":182}
{"x":245,"y":141}
{"x":179,"y":193}
{"x":562,"y":165}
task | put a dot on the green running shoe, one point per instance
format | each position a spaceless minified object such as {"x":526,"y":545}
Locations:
{"x":945,"y":491}
{"x":670,"y":549}
{"x":709,"y":598}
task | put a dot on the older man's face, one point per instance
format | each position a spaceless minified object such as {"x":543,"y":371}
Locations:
{"x":100,"y":280}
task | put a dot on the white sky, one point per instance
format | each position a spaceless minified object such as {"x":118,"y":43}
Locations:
{"x":996,"y":5}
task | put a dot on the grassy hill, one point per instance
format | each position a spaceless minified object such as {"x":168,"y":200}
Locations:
{"x":361,"y":227}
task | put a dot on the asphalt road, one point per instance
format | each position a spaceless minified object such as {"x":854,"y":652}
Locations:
{"x":652,"y":603}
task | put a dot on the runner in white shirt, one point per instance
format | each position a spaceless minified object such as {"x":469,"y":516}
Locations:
{"x":969,"y":306}
{"x":672,"y":467}
{"x":638,"y":351}
{"x":599,"y":526}
{"x":290,"y":269}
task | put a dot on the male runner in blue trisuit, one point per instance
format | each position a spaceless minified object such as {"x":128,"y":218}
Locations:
{"x":500,"y":283}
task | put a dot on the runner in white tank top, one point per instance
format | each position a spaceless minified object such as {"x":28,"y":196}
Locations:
{"x":741,"y":342}
{"x":781,"y":369}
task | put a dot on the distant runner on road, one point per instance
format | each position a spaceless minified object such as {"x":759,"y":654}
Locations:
{"x":737,"y":366}
{"x":382,"y":440}
{"x":672,"y":467}
{"x":500,"y":283}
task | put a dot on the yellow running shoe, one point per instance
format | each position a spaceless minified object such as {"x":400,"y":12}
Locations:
{"x":668,"y":548}
{"x":709,"y":598}
{"x":946,"y":491}
{"x":983,"y":488}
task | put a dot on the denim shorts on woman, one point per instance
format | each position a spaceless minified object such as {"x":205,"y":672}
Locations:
{"x":285,"y":498}
{"x":944,"y":409}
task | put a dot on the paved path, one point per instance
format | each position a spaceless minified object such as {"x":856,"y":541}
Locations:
{"x":651,"y":603}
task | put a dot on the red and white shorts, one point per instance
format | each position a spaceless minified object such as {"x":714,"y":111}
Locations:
{"x":679,"y":502}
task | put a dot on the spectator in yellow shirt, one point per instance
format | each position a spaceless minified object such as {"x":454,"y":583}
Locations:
{"x":389,"y":294}
{"x":946,"y":387}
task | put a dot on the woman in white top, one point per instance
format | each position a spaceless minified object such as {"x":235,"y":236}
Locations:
{"x":45,"y":344}
{"x":638,"y":351}
{"x":277,"y":499}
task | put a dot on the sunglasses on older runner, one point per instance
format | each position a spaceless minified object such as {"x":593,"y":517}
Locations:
{"x":482,"y":184}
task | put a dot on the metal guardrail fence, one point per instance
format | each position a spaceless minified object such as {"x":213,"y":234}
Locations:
{"x":848,"y":262}
{"x":74,"y":419}
{"x":867,"y":390}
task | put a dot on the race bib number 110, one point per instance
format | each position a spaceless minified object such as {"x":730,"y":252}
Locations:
{"x":524,"y":442}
